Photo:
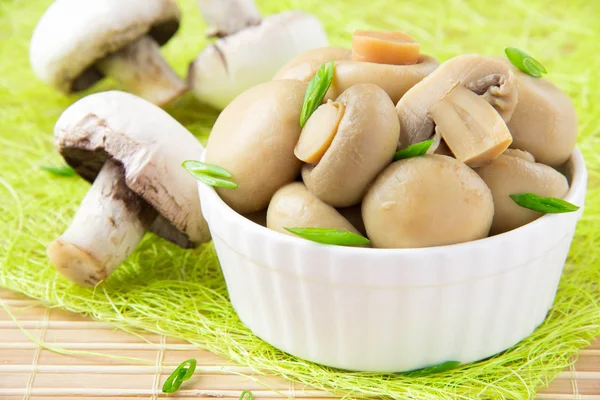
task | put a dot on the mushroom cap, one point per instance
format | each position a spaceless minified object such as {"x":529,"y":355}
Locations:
{"x":491,"y":77}
{"x":293,"y":206}
{"x":396,"y":80}
{"x":364,"y":145}
{"x":254,"y":139}
{"x":73,"y":35}
{"x":430,"y":200}
{"x":510,"y":174}
{"x":253,"y":55}
{"x":150,"y":145}
{"x":544,"y":122}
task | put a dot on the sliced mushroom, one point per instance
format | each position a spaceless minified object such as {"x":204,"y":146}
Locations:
{"x":252,"y":55}
{"x":493,"y":78}
{"x":363,"y":145}
{"x":76,"y":43}
{"x":132,"y":152}
{"x":509,"y":174}
{"x":431,"y":200}
{"x":470,"y":126}
{"x":395,"y":48}
{"x":254,"y":139}
{"x":544,"y":122}
{"x":293,"y":206}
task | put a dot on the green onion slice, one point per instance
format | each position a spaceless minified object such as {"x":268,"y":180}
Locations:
{"x":549,"y":205}
{"x":330,"y":236}
{"x":525,"y":62}
{"x":246,"y":394}
{"x":182,"y":373}
{"x":414,"y":150}
{"x":64,"y":170}
{"x":209,"y":174}
{"x":317,"y":88}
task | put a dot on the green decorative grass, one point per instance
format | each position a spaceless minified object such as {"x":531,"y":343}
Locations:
{"x":181,"y":293}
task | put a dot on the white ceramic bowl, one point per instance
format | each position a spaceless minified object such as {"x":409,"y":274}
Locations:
{"x":393,"y":310}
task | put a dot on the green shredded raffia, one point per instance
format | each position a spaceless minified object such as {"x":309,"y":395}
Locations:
{"x":181,"y":293}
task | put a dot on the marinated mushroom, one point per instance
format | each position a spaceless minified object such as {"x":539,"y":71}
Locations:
{"x":348,"y":151}
{"x":293,"y":206}
{"x":132,"y":152}
{"x":516,"y":172}
{"x":424,"y":201}
{"x":254,"y":139}
{"x":76,"y":43}
{"x":395,"y":79}
{"x":249,"y":50}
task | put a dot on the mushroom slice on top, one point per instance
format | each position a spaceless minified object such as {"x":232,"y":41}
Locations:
{"x":354,"y":149}
{"x":252,"y":54}
{"x":493,"y":78}
{"x":254,"y":139}
{"x":293,"y":206}
{"x":76,"y":43}
{"x":431,"y":200}
{"x":132,"y":152}
{"x":514,"y":173}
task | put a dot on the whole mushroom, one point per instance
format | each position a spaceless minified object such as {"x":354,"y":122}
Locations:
{"x":132,"y":152}
{"x":372,"y":67}
{"x":249,"y":49}
{"x":517,"y":172}
{"x":431,"y":200}
{"x":346,"y":143}
{"x":254,"y":138}
{"x":293,"y":206}
{"x":76,"y":43}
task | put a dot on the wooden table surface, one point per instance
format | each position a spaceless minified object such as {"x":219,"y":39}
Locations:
{"x":29,"y":372}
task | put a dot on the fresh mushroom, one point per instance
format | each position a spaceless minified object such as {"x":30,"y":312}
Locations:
{"x":347,"y":143}
{"x":249,"y":51}
{"x":424,"y":201}
{"x":132,"y":152}
{"x":293,"y":206}
{"x":254,"y":139}
{"x":517,"y":172}
{"x":492,"y":78}
{"x":396,"y":80}
{"x":76,"y":43}
{"x":544,"y":122}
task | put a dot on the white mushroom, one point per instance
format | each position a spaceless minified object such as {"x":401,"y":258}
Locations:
{"x":132,"y":152}
{"x":76,"y":43}
{"x":248,"y":53}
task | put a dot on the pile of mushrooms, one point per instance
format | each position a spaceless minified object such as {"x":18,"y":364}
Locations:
{"x":494,"y":131}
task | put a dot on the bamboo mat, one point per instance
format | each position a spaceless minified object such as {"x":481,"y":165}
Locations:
{"x":28,"y":372}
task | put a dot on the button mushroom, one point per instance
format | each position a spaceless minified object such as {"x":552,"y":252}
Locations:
{"x":76,"y":43}
{"x":544,"y":122}
{"x":396,"y":80}
{"x":254,"y":139}
{"x":293,"y":206}
{"x":517,"y":172}
{"x":424,"y":201}
{"x":250,"y":51}
{"x":132,"y":152}
{"x":492,"y":78}
{"x":353,"y":149}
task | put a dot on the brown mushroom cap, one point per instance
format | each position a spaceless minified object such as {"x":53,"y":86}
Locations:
{"x":424,"y":201}
{"x":293,"y":206}
{"x":491,"y":77}
{"x":544,"y":122}
{"x":510,"y":174}
{"x":254,"y":139}
{"x":364,"y":145}
{"x":396,"y":80}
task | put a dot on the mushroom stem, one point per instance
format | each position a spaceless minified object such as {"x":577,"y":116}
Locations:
{"x":226,"y":17}
{"x":140,"y":68}
{"x":108,"y":226}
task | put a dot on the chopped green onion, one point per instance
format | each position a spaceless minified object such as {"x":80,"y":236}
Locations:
{"x":330,"y":236}
{"x":209,"y":174}
{"x":525,"y":62}
{"x":442,"y":367}
{"x":59,"y":171}
{"x":317,"y":88}
{"x":549,"y":205}
{"x":246,"y":394}
{"x":414,"y":150}
{"x":182,"y":373}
